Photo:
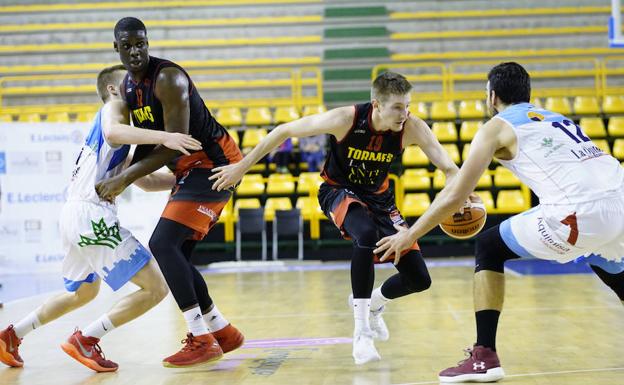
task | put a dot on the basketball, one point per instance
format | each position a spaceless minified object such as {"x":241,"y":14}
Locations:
{"x":466,"y":225}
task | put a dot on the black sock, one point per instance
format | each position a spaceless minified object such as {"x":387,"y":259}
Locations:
{"x":487,"y":323}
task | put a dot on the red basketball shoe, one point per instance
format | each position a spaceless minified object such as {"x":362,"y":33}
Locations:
{"x":87,"y":351}
{"x":197,"y":350}
{"x":9,"y":348}
{"x":229,"y":338}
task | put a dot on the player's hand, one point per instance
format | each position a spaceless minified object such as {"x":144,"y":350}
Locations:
{"x":472,"y":198}
{"x":394,"y":244}
{"x":227,"y":176}
{"x":181,"y":142}
{"x":108,"y":189}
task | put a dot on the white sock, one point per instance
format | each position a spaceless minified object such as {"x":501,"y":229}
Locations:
{"x":27,"y":325}
{"x":99,"y":327}
{"x":378,"y":300}
{"x":215,"y":320}
{"x":195,"y":322}
{"x":361,"y":308}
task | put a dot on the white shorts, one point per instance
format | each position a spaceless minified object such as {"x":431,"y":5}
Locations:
{"x":562,"y":233}
{"x":95,"y":245}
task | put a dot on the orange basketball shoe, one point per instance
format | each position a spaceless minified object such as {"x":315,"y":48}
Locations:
{"x":196,"y":351}
{"x":229,"y":338}
{"x":87,"y":351}
{"x":9,"y":345}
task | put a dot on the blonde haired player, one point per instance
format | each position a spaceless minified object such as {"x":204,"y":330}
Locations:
{"x":581,"y":210}
{"x":96,"y":246}
{"x":357,"y":196}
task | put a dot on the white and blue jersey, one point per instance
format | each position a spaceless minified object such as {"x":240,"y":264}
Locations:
{"x":97,"y":161}
{"x":95,"y":244}
{"x":580,"y":188}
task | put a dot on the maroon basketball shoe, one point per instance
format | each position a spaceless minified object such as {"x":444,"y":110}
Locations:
{"x":482,"y":365}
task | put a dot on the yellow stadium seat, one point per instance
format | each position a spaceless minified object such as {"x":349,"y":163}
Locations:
{"x":234,"y":135}
{"x":251,"y":184}
{"x":247,"y":203}
{"x":613,"y":104}
{"x":230,"y":117}
{"x":453,"y":151}
{"x":311,"y":110}
{"x":586,"y":105}
{"x":505,"y":178}
{"x":253,"y":136}
{"x":468,"y":130}
{"x":416,"y":179}
{"x":85,"y":117}
{"x":258,"y":116}
{"x":419,"y":109}
{"x":486,"y":197}
{"x":510,"y":201}
{"x":537,"y":102}
{"x":443,"y":110}
{"x":557,"y":104}
{"x":29,"y":118}
{"x":415,"y":205}
{"x":603,"y":145}
{"x":593,"y":127}
{"x":414,"y":156}
{"x":439,"y":179}
{"x":307,"y":180}
{"x":273,"y":204}
{"x":58,"y":117}
{"x":616,"y":126}
{"x":286,"y":114}
{"x":471,"y":109}
{"x":618,"y":148}
{"x":308,"y":206}
{"x":281,"y":184}
{"x":465,"y":152}
{"x":444,"y":131}
{"x":6,"y":118}
{"x":485,"y":180}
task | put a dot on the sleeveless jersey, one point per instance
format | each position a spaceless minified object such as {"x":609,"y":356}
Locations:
{"x":557,"y":160}
{"x":362,"y":159}
{"x":97,"y":161}
{"x":147,"y":112}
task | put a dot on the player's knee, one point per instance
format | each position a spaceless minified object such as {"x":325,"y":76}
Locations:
{"x":491,"y":252}
{"x":417,"y":282}
{"x":159,"y":292}
{"x":365,"y":236}
{"x":160,"y":246}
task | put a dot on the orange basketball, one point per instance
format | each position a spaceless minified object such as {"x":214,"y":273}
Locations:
{"x":466,"y":225}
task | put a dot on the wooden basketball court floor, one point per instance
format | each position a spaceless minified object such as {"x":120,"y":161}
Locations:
{"x":556,"y":329}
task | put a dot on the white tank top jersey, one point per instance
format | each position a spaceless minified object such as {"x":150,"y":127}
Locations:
{"x":97,"y":161}
{"x":557,"y":160}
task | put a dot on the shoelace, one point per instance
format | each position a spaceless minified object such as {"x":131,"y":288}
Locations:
{"x":98,"y":351}
{"x":190,"y":343}
{"x":468,"y":353}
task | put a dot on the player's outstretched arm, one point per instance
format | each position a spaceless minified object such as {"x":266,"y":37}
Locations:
{"x":336,"y":122}
{"x":172,"y":89}
{"x":482,"y":149}
{"x":117,"y":131}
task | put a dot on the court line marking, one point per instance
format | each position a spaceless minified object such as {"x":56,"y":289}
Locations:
{"x":532,"y":374}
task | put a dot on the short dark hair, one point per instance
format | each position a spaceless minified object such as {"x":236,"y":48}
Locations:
{"x":389,"y":83}
{"x":129,"y":24}
{"x":106,"y":77}
{"x":511,"y":83}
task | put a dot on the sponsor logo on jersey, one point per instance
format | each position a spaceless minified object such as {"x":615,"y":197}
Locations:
{"x":374,"y":156}
{"x":207,"y":211}
{"x":535,"y":116}
{"x":142,"y":114}
{"x":104,"y":235}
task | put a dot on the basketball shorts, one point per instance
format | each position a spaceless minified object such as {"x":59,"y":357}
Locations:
{"x":335,"y":202}
{"x":194,"y":203}
{"x":564,"y":233}
{"x":95,"y":245}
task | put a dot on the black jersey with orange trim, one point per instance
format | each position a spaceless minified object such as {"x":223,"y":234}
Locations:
{"x":361,"y":160}
{"x":218,"y":147}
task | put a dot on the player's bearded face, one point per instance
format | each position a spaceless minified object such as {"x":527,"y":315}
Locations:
{"x":393,"y":111}
{"x":133,"y":50}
